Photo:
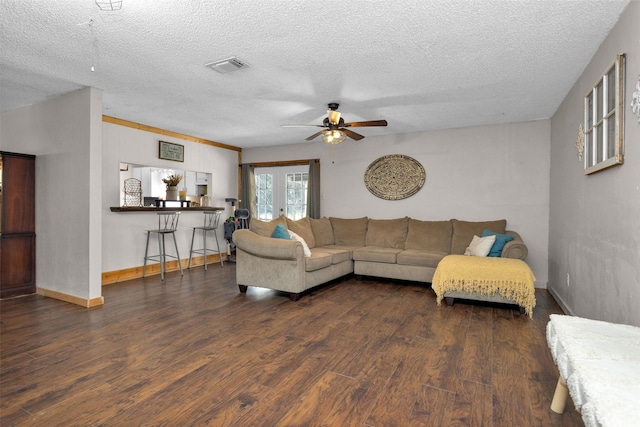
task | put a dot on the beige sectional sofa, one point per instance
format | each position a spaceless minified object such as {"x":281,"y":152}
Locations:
{"x":402,"y":248}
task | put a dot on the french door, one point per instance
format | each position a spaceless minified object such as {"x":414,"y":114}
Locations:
{"x":281,"y":191}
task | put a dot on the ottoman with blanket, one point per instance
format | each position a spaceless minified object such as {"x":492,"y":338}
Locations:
{"x":502,"y":280}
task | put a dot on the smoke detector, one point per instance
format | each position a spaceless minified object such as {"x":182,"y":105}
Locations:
{"x":227,"y":65}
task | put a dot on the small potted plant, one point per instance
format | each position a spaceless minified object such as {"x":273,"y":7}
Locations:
{"x":172,"y":182}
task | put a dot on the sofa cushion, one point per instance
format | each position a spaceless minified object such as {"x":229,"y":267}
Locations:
{"x":348,"y":249}
{"x":350,"y":232}
{"x":302,"y":228}
{"x":280,"y":232}
{"x":322,"y":231}
{"x":376,"y":254}
{"x":429,"y":235}
{"x":387,"y":233}
{"x":337,"y":255}
{"x":317,"y":260}
{"x":420,"y":257}
{"x":265,"y":228}
{"x":463,"y":232}
{"x":501,"y":240}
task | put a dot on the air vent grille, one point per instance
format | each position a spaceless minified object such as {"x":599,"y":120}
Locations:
{"x":227,"y":65}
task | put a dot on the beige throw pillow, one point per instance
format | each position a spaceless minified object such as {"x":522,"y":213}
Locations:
{"x":305,"y":247}
{"x":480,"y":246}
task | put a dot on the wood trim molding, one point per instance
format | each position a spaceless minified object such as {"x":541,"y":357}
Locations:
{"x":280,"y":163}
{"x":116,"y":276}
{"x":83,"y":302}
{"x":126,"y":123}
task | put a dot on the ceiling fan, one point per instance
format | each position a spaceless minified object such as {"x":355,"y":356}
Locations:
{"x":335,"y":129}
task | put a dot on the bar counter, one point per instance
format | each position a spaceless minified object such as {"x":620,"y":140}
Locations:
{"x":126,"y":209}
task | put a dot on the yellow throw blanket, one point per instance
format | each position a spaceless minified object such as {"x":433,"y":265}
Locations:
{"x":510,"y":278}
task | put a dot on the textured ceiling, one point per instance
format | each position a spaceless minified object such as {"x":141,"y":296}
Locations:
{"x":419,"y":64}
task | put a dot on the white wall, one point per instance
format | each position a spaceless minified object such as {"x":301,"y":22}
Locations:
{"x":124,"y":234}
{"x":65,"y":135}
{"x":595,"y":219}
{"x":476,"y":173}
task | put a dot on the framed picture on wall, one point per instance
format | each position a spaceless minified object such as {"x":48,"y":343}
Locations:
{"x":171,"y":151}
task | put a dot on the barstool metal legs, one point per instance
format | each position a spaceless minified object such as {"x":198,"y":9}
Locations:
{"x":204,"y":249}
{"x":175,"y":243}
{"x":162,"y":254}
{"x":161,"y":257}
{"x":193,"y":235}
{"x":167,"y":224}
{"x":146,"y":252}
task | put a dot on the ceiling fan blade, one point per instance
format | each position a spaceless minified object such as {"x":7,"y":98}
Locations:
{"x":315,"y":135}
{"x":302,"y":126}
{"x":366,"y":123}
{"x":351,"y":134}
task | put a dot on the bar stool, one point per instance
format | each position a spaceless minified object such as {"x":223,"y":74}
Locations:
{"x":211,"y":220}
{"x":167,"y":224}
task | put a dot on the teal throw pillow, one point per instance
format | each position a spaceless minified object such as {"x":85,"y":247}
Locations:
{"x":501,"y":240}
{"x":280,"y":232}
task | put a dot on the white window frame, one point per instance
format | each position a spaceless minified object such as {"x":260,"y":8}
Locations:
{"x":601,"y":150}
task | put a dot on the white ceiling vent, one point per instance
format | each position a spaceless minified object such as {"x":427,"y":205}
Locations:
{"x":227,"y":65}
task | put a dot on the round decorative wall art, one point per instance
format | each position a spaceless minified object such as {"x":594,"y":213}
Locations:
{"x":394,"y":177}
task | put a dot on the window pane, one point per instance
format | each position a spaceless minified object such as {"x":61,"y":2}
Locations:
{"x":599,"y":144}
{"x":296,"y":200}
{"x":611,"y":137}
{"x":599,"y":100}
{"x":264,"y":196}
{"x":589,"y":111}
{"x":588,"y":147}
{"x":611,"y":88}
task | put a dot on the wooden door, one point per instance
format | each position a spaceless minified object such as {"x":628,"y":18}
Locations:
{"x":17,"y":224}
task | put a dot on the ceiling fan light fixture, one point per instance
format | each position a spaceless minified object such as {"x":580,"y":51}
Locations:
{"x":334,"y":116}
{"x":333,"y":137}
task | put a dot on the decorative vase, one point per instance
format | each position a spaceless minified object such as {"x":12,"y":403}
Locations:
{"x":172,"y":192}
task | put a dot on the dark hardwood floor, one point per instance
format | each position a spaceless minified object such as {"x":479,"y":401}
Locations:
{"x":194,"y":351}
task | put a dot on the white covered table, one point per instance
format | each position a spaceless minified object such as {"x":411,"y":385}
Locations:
{"x":599,"y":363}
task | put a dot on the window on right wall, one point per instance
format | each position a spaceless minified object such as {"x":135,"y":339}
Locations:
{"x":604,"y":120}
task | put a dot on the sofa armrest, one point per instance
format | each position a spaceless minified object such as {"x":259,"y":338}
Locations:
{"x":515,"y":248}
{"x":267,"y":247}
